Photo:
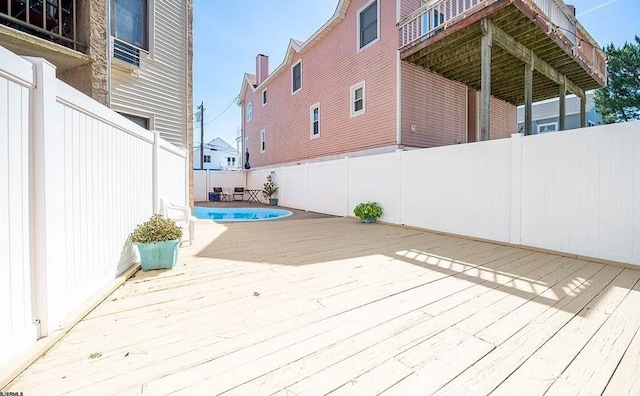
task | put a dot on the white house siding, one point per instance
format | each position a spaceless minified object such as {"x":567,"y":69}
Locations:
{"x":158,"y":89}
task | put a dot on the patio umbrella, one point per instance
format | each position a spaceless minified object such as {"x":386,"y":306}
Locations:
{"x":246,"y":160}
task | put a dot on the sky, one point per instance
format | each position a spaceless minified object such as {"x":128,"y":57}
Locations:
{"x":228,"y":35}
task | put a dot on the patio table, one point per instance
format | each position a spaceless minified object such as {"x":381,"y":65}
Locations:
{"x":253,"y":195}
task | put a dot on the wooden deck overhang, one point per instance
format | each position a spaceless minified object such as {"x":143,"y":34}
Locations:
{"x":455,"y":52}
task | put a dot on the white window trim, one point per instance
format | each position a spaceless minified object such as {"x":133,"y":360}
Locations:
{"x":540,"y":126}
{"x":262,"y":97}
{"x":249,"y":111}
{"x":352,"y":98}
{"x":364,"y":7}
{"x":311,"y":108}
{"x":299,"y":62}
{"x":263,"y":141}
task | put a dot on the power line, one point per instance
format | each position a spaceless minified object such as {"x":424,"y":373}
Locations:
{"x":223,"y":111}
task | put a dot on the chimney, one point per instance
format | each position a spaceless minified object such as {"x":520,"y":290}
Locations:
{"x":572,"y":9}
{"x":262,"y":68}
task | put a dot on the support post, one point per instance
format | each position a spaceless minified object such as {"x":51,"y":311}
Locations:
{"x":562,"y":104}
{"x":583,"y":111}
{"x":487,"y":39}
{"x":528,"y":99}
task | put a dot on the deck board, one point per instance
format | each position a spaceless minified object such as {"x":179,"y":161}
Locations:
{"x":323,"y":305}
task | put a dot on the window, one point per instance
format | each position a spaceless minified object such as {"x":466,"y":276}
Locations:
{"x":231,"y":161}
{"x":263,"y":138}
{"x":368,"y":30}
{"x":314,"y":116}
{"x":430,"y":21}
{"x":142,"y":121}
{"x":357,"y":99}
{"x":549,"y":127}
{"x":296,"y":77}
{"x":264,"y":97}
{"x":207,"y":158}
{"x":130,"y":22}
{"x":249,"y":112}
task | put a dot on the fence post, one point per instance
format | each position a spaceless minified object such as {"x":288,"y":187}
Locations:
{"x":348,"y":189}
{"x":516,"y":189}
{"x":46,"y":196}
{"x":154,"y":171}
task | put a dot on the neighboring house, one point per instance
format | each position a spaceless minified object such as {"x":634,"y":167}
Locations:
{"x":386,"y":75}
{"x":133,"y":56}
{"x":545,"y":114}
{"x":218,"y":155}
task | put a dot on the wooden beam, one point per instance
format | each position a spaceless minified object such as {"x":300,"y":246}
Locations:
{"x":487,"y":41}
{"x":583,"y":111}
{"x":523,"y":53}
{"x":528,"y":99}
{"x":562,"y":109}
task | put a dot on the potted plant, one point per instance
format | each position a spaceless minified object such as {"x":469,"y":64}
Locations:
{"x":268,"y":189}
{"x":157,"y":240}
{"x":368,"y":211}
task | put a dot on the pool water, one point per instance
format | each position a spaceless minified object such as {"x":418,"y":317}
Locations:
{"x":239,"y":214}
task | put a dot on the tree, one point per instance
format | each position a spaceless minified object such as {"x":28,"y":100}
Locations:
{"x":619,"y":101}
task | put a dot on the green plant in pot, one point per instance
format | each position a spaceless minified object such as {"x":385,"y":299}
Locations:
{"x":368,"y":211}
{"x":269,"y":189}
{"x":157,"y":240}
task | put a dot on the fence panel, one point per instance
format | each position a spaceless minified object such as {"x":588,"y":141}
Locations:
{"x":293,"y":188}
{"x":328,"y":187}
{"x":172,"y":180}
{"x":461,"y":189}
{"x":376,"y":178}
{"x":17,"y":329}
{"x":580,"y":192}
{"x":94,"y":194}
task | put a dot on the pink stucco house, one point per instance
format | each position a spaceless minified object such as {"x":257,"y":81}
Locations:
{"x":383,"y":75}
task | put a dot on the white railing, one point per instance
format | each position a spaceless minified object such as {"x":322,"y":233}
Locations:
{"x":75,"y":180}
{"x":435,"y":16}
{"x":572,"y":191}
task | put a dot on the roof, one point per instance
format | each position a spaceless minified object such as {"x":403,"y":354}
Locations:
{"x":295,"y":46}
{"x":218,"y":144}
{"x":549,"y":108}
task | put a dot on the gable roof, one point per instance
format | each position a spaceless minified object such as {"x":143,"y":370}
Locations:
{"x":295,"y":46}
{"x":549,"y":108}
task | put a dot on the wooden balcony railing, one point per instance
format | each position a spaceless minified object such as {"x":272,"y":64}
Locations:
{"x":53,"y":20}
{"x":439,"y":15}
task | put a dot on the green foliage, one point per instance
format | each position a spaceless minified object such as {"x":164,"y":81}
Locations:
{"x":156,"y":229}
{"x":619,"y":101}
{"x":367,"y":209}
{"x":269,"y":188}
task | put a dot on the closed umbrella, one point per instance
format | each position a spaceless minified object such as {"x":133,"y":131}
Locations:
{"x":246,"y":160}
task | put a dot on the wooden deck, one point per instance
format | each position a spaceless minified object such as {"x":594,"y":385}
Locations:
{"x":329,"y":305}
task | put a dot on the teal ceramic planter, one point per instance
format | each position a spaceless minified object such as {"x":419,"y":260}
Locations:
{"x":160,"y":255}
{"x":368,"y":220}
{"x":273,"y":201}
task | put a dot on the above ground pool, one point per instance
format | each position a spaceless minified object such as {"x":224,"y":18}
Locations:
{"x":239,"y":214}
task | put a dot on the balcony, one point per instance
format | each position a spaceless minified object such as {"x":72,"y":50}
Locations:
{"x":43,"y":28}
{"x":488,"y":43}
{"x":53,"y":20}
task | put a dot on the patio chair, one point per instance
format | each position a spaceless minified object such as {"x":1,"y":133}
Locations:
{"x":181,"y":215}
{"x":222,"y":196}
{"x":238,"y":191}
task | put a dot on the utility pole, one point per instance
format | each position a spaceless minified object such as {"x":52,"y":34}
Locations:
{"x":200,"y":116}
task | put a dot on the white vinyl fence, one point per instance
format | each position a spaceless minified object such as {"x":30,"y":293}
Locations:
{"x":204,"y":181}
{"x":76,"y":179}
{"x":576,"y":192}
